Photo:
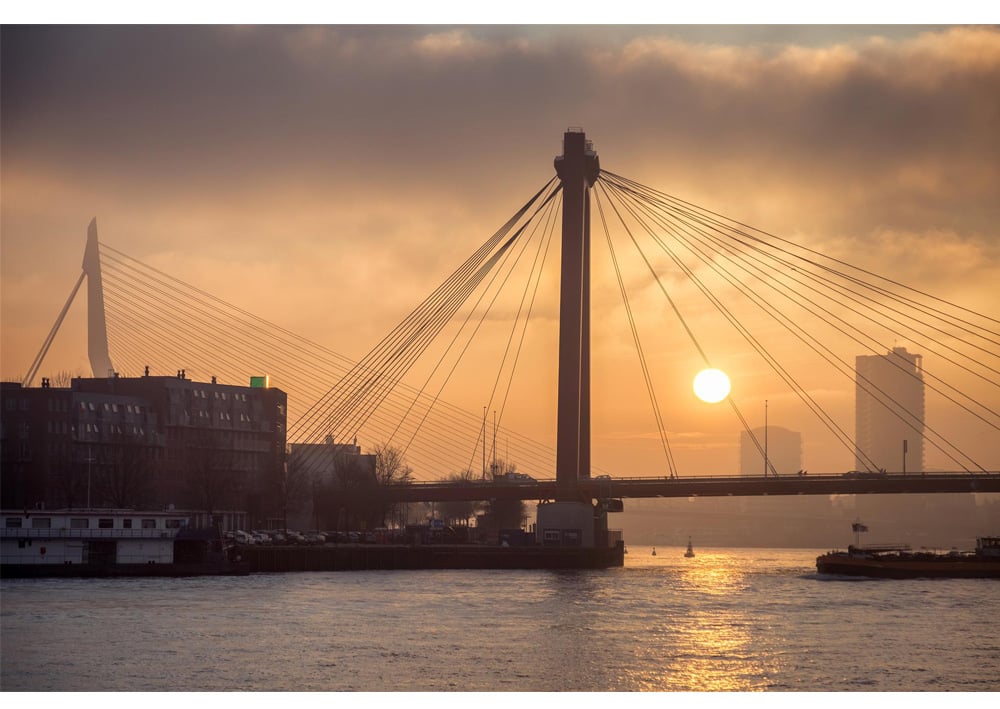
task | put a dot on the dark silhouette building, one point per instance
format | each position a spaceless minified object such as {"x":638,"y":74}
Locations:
{"x":784,"y":451}
{"x":889,"y":411}
{"x":145,"y":442}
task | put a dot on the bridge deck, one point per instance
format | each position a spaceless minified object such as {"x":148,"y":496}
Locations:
{"x":888,"y":484}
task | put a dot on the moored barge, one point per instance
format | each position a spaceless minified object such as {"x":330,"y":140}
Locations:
{"x":900,"y":562}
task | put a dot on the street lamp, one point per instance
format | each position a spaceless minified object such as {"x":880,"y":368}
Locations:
{"x":89,"y":459}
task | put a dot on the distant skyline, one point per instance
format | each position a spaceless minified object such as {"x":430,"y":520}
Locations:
{"x":327,"y":178}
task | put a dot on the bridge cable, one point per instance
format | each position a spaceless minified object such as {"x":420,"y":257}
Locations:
{"x":769,"y":309}
{"x":660,"y":426}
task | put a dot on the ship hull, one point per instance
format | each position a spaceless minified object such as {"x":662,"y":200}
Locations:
{"x":906,"y":568}
{"x":34,"y":571}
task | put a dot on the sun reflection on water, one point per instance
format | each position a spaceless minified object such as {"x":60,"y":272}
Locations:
{"x":705,"y":642}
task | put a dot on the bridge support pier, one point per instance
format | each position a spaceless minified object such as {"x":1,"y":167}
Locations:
{"x":565,"y":524}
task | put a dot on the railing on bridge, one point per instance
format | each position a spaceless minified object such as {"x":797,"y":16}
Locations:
{"x":706,"y":486}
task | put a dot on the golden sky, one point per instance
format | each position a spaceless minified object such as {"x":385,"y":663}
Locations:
{"x":327,"y":178}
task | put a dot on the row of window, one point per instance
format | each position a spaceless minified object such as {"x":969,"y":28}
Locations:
{"x":112,"y":408}
{"x":200,"y":393}
{"x":115,"y":428}
{"x":11,"y":404}
{"x":84,"y":523}
{"x":59,"y":405}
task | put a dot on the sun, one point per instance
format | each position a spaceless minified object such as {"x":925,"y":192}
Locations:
{"x":711,"y":385}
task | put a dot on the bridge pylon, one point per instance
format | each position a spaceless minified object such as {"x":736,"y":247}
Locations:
{"x":577,"y":168}
{"x":571,"y":519}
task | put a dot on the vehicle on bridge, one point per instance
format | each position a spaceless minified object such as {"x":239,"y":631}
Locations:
{"x":865,"y":474}
{"x":516,"y":478}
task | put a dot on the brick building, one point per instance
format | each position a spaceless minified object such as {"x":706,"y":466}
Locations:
{"x":143,"y":442}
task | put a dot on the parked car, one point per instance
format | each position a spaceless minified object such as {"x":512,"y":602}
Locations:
{"x":314,"y":538}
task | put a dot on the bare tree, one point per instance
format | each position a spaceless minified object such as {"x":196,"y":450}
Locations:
{"x":292,"y":486}
{"x":504,"y":514}
{"x":64,"y":377}
{"x":459,"y":512}
{"x":210,"y":472}
{"x":391,"y":469}
{"x":124,"y":481}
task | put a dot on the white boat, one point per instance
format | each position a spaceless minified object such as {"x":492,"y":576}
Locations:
{"x":97,"y":542}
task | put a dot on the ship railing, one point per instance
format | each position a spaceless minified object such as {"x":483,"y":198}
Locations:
{"x":883,"y":547}
{"x":41,"y":533}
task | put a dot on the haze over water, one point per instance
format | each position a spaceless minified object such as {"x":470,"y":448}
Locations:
{"x":728,"y":620}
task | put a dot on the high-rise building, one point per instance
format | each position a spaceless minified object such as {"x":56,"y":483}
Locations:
{"x":784,"y":451}
{"x":889,"y":412}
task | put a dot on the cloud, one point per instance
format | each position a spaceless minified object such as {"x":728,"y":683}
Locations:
{"x":357,"y":166}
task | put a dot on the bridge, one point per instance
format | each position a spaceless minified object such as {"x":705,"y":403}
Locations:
{"x":374,"y":398}
{"x":703,"y":486}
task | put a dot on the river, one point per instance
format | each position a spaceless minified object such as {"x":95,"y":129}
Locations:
{"x":741,"y":620}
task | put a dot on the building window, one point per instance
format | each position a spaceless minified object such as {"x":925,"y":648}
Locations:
{"x":149,"y":524}
{"x":174,"y":524}
{"x":105,"y":523}
{"x":13,"y":523}
{"x":127,"y":523}
{"x":79,"y":523}
{"x":41,"y":523}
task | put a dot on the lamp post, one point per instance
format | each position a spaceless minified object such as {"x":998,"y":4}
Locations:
{"x":90,"y":459}
{"x":765,"y":439}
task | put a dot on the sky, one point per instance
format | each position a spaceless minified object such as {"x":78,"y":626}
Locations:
{"x":328,"y":177}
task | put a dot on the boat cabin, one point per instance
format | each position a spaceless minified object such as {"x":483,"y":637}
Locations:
{"x":95,"y":537}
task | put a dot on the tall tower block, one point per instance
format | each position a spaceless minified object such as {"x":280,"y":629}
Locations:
{"x":889,"y":411}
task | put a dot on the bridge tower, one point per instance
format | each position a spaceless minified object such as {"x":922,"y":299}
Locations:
{"x":577,"y":169}
{"x":570,"y":519}
{"x":97,"y":330}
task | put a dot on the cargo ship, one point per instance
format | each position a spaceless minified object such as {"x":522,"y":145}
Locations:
{"x":900,"y":562}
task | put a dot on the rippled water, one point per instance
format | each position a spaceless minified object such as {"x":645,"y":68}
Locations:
{"x":740,"y":620}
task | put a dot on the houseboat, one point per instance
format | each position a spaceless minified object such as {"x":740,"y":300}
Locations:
{"x":92,"y":542}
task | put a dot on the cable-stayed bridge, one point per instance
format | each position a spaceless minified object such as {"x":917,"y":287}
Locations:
{"x":744,"y":277}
